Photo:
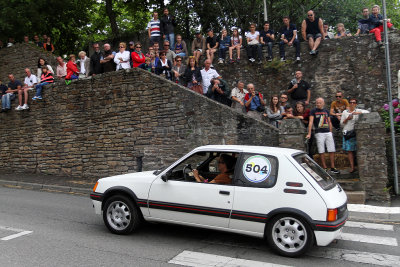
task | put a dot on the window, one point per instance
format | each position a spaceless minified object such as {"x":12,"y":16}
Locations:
{"x":256,"y":170}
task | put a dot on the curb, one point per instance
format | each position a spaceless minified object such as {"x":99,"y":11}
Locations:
{"x":45,"y":187}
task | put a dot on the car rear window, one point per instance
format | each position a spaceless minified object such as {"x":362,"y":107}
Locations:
{"x":315,"y":171}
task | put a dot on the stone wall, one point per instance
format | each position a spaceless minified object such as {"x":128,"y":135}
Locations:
{"x":101,"y":126}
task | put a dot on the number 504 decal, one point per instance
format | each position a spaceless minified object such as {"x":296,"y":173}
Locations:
{"x":256,"y":169}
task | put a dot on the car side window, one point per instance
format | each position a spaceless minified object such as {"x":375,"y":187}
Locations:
{"x":256,"y":170}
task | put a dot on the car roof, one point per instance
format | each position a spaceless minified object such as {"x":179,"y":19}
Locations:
{"x":250,"y":149}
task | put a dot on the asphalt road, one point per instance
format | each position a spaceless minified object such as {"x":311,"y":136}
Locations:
{"x":55,"y":229}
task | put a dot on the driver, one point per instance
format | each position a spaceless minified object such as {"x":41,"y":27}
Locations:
{"x":226,"y":165}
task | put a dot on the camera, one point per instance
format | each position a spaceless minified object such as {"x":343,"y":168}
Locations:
{"x":294,"y":81}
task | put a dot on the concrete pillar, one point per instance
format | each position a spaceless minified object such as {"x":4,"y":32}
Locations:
{"x":292,"y":134}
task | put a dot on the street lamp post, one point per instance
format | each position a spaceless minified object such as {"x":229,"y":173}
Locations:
{"x":265,"y":11}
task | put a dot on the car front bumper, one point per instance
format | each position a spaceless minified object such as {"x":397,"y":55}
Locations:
{"x":97,"y":206}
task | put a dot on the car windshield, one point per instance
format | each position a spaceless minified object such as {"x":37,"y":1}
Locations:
{"x":316,"y":172}
{"x":157,"y":172}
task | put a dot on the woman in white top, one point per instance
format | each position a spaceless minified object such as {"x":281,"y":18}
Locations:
{"x":42,"y":62}
{"x":253,"y":44}
{"x":123,"y":57}
{"x":274,"y":111}
{"x":236,"y":43}
{"x":84,"y":63}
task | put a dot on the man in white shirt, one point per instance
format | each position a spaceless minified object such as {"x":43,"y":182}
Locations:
{"x":29,"y":84}
{"x":61,"y":68}
{"x":207,"y":74}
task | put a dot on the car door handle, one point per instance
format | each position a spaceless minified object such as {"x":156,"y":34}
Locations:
{"x":224,"y":192}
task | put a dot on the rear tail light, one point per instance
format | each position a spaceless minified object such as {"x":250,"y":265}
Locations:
{"x":95,"y":186}
{"x":332,"y":215}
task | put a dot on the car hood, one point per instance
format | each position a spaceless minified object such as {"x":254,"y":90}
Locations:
{"x":129,"y":177}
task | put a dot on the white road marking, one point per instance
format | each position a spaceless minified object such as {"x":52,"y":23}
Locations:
{"x":355,"y":256}
{"x":373,"y":226}
{"x":20,"y":233}
{"x":380,"y":240}
{"x":373,"y":209}
{"x":198,"y":259}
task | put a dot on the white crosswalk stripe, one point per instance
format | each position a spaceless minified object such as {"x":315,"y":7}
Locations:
{"x":373,"y":226}
{"x":380,"y":240}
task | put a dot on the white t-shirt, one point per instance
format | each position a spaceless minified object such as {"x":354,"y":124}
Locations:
{"x":350,"y":123}
{"x":252,"y":36}
{"x":31,"y":80}
{"x":206,"y":78}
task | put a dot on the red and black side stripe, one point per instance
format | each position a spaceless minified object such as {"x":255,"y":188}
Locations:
{"x":248,"y":216}
{"x":96,"y":196}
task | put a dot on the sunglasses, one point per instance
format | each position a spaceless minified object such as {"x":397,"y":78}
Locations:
{"x":339,"y":96}
{"x":284,"y":97}
{"x":122,"y":47}
{"x":179,"y":60}
{"x":352,"y":102}
{"x":310,"y":15}
{"x":138,"y":47}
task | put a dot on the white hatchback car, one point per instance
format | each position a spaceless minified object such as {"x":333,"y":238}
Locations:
{"x":277,"y":193}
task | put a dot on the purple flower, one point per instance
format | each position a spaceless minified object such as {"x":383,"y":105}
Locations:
{"x":397,"y":119}
{"x":395,"y":102}
{"x":397,"y":110}
{"x":386,"y":107}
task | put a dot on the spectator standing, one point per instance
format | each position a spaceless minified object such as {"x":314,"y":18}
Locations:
{"x":1,"y":44}
{"x":376,"y":24}
{"x":288,"y":113}
{"x":168,"y":25}
{"x":288,"y":37}
{"x":95,"y":65}
{"x":29,"y":83}
{"x":44,"y":36}
{"x":253,"y":44}
{"x":164,"y":66}
{"x":219,"y":91}
{"x":237,"y":95}
{"x":156,"y":48}
{"x":72,"y":70}
{"x":107,"y":61}
{"x":122,"y":58}
{"x":61,"y":70}
{"x":299,"y":90}
{"x":224,"y":41}
{"x":42,"y":62}
{"x":207,"y":73}
{"x":267,"y":38}
{"x":154,"y":29}
{"x":348,"y":119}
{"x":84,"y":64}
{"x":236,"y":43}
{"x":274,"y":111}
{"x":153,"y":61}
{"x":13,"y":87}
{"x":178,"y":70}
{"x":192,"y":76}
{"x":26,"y":40}
{"x":337,"y":107}
{"x":212,"y":45}
{"x":36,"y":41}
{"x":138,"y":58}
{"x":363,"y":24}
{"x":302,"y":113}
{"x":170,"y":54}
{"x":327,"y":34}
{"x":312,"y":29}
{"x":198,"y":46}
{"x":130,"y":50}
{"x":151,"y":49}
{"x":319,"y":118}
{"x":254,"y":102}
{"x":283,"y":100}
{"x":341,"y":31}
{"x":46,"y":78}
{"x":180,"y":47}
{"x":48,"y":46}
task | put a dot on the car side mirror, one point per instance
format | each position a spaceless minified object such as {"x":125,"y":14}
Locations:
{"x":165,"y":176}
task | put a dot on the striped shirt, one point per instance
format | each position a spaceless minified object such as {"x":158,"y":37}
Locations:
{"x":154,"y":26}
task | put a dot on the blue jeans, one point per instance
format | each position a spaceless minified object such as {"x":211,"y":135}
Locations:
{"x":269,"y":48}
{"x":171,"y":38}
{"x":181,"y":54}
{"x":6,"y":100}
{"x":296,"y":44}
{"x":222,"y":52}
{"x":39,"y":88}
{"x":253,"y":50}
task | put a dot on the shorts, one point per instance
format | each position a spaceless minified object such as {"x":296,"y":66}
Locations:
{"x":325,"y":139}
{"x":350,"y":145}
{"x":314,"y":36}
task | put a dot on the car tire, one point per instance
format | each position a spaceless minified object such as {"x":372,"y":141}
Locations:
{"x":289,"y":235}
{"x":121,"y":215}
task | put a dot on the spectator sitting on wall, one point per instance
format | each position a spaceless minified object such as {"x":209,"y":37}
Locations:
{"x":319,"y":118}
{"x":1,"y":44}
{"x":61,"y":68}
{"x":138,"y":58}
{"x":3,"y":89}
{"x":337,"y":107}
{"x":42,"y":62}
{"x":312,"y":30}
{"x":363,"y":24}
{"x":72,"y":70}
{"x":300,"y":112}
{"x":348,"y":119}
{"x":164,"y":66}
{"x":253,"y":44}
{"x":219,"y":91}
{"x":327,"y":34}
{"x":84,"y":64}
{"x":288,"y":37}
{"x":26,"y":40}
{"x":212,"y":45}
{"x":29,"y":83}
{"x":169,"y":53}
{"x":122,"y":58}
{"x":192,"y":76}
{"x":274,"y":111}
{"x":13,"y":87}
{"x":107,"y":62}
{"x":267,"y":38}
{"x":237,"y":95}
{"x":198,"y":46}
{"x":207,"y":73}
{"x":180,"y":47}
{"x":178,"y":70}
{"x":46,"y":78}
{"x":299,"y":90}
{"x":11,"y":42}
{"x":224,"y":41}
{"x":154,"y":29}
{"x":236,"y":43}
{"x":341,"y":31}
{"x":48,"y":46}
{"x":95,"y":65}
{"x":36,"y":41}
{"x":254,"y":102}
{"x":168,"y":25}
{"x":376,"y":24}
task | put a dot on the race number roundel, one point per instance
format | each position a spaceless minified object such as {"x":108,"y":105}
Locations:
{"x":257,"y":169}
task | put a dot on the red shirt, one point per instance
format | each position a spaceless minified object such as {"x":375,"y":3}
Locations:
{"x":137,"y":59}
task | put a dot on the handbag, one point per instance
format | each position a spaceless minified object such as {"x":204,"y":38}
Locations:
{"x":349,"y":134}
{"x":197,"y":88}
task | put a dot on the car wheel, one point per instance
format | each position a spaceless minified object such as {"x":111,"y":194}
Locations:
{"x":289,"y":235}
{"x":121,"y":215}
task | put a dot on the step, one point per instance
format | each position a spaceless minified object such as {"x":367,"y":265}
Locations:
{"x":356,"y":197}
{"x":350,"y":184}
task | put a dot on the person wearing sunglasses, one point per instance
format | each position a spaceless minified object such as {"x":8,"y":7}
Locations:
{"x":178,"y":70}
{"x":348,"y":119}
{"x":169,"y":53}
{"x":164,"y":66}
{"x":226,"y":166}
{"x":337,"y":107}
{"x":311,"y":29}
{"x":122,"y":58}
{"x":138,"y":57}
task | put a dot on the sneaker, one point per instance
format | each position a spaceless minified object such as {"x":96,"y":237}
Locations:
{"x":269,"y":59}
{"x":39,"y":98}
{"x":220,"y":61}
{"x":335,"y":171}
{"x":283,"y":59}
{"x":231,"y":61}
{"x":297,"y":59}
{"x":252,"y":60}
{"x":18,"y":108}
{"x":259,"y":62}
{"x":25,"y":106}
{"x":238,"y":60}
{"x":34,"y":98}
